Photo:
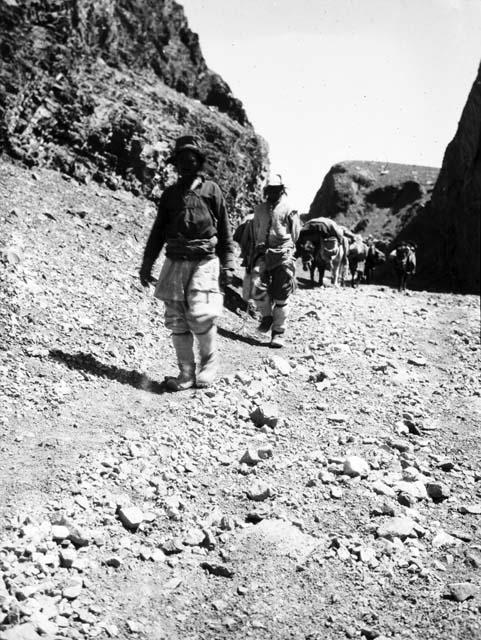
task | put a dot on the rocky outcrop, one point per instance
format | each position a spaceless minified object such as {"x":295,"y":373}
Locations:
{"x":453,"y":218}
{"x":377,"y":198}
{"x":100,"y":89}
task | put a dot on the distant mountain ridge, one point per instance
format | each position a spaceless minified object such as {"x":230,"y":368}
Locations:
{"x":377,"y":198}
{"x":99,"y":89}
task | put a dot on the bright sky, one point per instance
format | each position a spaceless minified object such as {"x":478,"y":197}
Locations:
{"x":330,"y":80}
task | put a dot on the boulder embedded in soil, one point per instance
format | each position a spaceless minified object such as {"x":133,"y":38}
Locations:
{"x":415,"y":489}
{"x":194,"y":537}
{"x":280,"y":364}
{"x":443,"y":539}
{"x":418,"y":361}
{"x":131,"y":517}
{"x":356,"y":466}
{"x":72,"y":589}
{"x":383,"y":489}
{"x":473,"y":509}
{"x":67,"y":557}
{"x":21,"y":632}
{"x":397,"y":527}
{"x":218,"y":569}
{"x":266,"y":414}
{"x":259,"y":491}
{"x":461,"y":591}
{"x":438,"y":491}
{"x":250,"y":457}
{"x":59,"y":532}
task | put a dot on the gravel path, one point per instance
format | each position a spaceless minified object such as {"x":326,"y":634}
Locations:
{"x":328,"y":491}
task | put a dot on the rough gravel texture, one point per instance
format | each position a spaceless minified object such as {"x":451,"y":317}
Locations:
{"x":125,"y":510}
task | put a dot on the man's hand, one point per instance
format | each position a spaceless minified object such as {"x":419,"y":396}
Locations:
{"x":226,"y":277}
{"x":145,"y":276}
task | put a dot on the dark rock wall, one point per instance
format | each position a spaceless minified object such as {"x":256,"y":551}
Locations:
{"x":99,"y":89}
{"x":454,"y":215}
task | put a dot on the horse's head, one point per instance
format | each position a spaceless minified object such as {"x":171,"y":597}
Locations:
{"x":306,"y":251}
{"x":357,"y":248}
{"x":403,"y":254}
{"x":375,"y":255}
{"x":329,"y":249}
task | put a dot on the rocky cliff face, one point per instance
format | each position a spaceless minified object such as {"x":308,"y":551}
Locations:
{"x":99,"y":89}
{"x":453,"y":218}
{"x":375,"y":198}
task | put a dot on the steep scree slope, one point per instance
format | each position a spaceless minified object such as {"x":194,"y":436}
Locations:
{"x":99,"y":90}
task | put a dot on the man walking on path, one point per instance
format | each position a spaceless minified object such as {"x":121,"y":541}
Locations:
{"x":193,"y":225}
{"x":244,"y":237}
{"x":275,"y":230}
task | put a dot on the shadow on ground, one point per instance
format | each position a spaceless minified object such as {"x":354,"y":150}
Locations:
{"x":87,"y":362}
{"x":238,"y":337}
{"x":306,"y":283}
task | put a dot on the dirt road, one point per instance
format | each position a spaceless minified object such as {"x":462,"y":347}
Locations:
{"x":331,"y":490}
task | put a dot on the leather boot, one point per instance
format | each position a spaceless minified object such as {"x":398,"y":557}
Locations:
{"x":184,"y":348}
{"x":279,"y":317}
{"x":264,"y":307}
{"x":265,"y":324}
{"x":277,"y":341}
{"x":208,"y":358}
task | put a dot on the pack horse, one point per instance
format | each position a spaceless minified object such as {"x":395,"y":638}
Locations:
{"x":403,"y":259}
{"x":322,"y":246}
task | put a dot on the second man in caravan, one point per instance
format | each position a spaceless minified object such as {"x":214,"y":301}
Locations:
{"x":275,"y":229}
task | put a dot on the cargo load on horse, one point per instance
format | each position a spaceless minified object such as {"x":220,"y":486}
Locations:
{"x":322,"y":245}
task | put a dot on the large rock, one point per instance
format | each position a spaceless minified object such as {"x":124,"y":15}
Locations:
{"x":461,"y":591}
{"x":398,"y":527}
{"x":355,"y":466}
{"x":131,"y":517}
{"x":100,"y":90}
{"x":259,"y":491}
{"x":266,"y":414}
{"x":24,"y":631}
{"x":438,"y":491}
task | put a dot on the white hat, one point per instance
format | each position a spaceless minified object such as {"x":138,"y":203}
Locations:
{"x":275,"y":180}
